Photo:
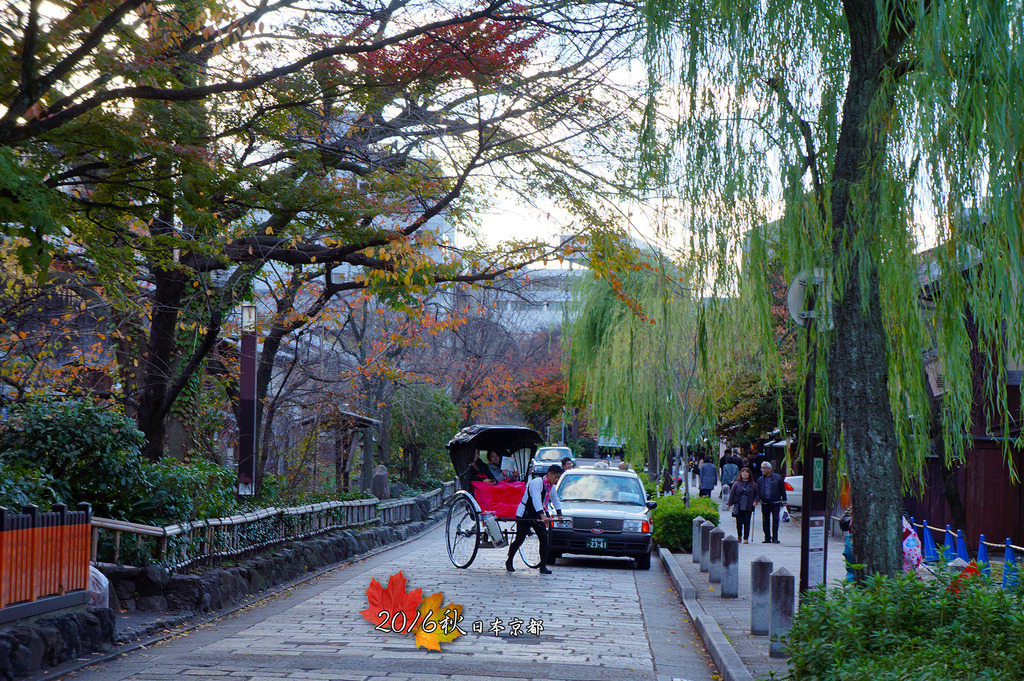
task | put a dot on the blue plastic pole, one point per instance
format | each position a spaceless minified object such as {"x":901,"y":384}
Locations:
{"x":961,"y":547}
{"x":983,"y":561}
{"x":931,"y":551}
{"x":948,"y":546}
{"x":1010,"y":574}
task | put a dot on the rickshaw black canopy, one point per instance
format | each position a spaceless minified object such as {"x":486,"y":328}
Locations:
{"x":506,"y":440}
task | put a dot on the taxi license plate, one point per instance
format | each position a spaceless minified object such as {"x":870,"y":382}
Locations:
{"x":597,"y":543}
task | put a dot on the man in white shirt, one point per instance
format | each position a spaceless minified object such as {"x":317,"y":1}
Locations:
{"x":531,"y":515}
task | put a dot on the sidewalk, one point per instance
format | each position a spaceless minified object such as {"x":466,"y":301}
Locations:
{"x":724,"y":623}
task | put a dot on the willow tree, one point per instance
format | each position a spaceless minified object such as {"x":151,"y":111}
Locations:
{"x":863,"y":125}
{"x":632,"y":356}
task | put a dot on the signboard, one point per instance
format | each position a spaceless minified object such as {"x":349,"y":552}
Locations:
{"x":814,"y":521}
{"x":816,"y":551}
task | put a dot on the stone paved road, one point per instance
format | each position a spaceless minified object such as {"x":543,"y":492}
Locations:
{"x":601,"y":621}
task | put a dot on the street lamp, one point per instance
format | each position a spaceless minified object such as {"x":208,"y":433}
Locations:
{"x":248,"y":314}
{"x":247,"y":404}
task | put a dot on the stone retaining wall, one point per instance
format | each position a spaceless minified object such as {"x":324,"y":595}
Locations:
{"x":153,"y":589}
{"x":46,"y":642}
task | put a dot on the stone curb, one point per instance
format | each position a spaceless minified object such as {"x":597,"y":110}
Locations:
{"x":722,"y":652}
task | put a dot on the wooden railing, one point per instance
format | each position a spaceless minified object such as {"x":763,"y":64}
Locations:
{"x":183,"y":545}
{"x":43,"y":554}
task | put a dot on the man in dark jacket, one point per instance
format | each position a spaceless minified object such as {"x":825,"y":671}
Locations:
{"x":708,"y":477}
{"x":771,"y":489}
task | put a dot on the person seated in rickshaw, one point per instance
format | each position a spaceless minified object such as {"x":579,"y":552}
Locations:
{"x":482,"y":471}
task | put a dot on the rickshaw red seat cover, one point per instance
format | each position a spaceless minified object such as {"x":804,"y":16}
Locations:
{"x":501,"y":499}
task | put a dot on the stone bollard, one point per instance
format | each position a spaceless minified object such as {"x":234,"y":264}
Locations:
{"x":783,"y":590}
{"x":695,"y":540}
{"x":705,"y":545}
{"x":730,"y":567}
{"x":760,"y":596}
{"x":715,"y":555}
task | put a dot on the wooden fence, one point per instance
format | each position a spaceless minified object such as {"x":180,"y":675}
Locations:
{"x":398,"y":511}
{"x":42,"y":556}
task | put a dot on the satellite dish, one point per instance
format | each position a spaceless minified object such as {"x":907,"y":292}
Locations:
{"x":797,"y":299}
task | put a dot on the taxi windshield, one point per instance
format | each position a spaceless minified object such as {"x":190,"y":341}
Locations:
{"x":600,"y":488}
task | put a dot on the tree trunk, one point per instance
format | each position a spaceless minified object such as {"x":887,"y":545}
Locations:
{"x":169,"y":287}
{"x":858,"y":366}
{"x":653,"y":460}
{"x":339,"y":458}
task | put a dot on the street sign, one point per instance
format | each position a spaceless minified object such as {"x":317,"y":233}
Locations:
{"x":814,"y":525}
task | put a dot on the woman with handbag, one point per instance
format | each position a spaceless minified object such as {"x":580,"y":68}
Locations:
{"x":743,"y":498}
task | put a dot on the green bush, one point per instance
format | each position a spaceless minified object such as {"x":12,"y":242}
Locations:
{"x":79,"y":451}
{"x":21,"y":485}
{"x":673,"y":522}
{"x":907,"y":629}
{"x":200,"y":489}
{"x":650,"y":487}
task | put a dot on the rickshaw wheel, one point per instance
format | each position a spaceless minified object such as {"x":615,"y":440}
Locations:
{"x":530,"y":550}
{"x":463,"y":530}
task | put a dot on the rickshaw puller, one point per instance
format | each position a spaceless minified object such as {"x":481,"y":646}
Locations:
{"x":531,"y":514}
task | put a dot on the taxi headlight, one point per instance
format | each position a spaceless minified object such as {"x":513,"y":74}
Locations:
{"x":562,"y":523}
{"x":632,"y":525}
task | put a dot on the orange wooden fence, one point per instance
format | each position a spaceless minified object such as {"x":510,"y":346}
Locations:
{"x":43,"y":554}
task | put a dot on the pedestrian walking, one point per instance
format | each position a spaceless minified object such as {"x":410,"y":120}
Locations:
{"x":708,"y":478}
{"x":743,"y":498}
{"x":729,"y":473}
{"x":772,"y":492}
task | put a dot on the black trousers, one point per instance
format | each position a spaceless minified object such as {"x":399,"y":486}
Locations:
{"x":743,"y":524}
{"x":770,"y":519}
{"x":523,"y":527}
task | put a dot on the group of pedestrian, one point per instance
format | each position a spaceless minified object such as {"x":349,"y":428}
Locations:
{"x":751,"y":482}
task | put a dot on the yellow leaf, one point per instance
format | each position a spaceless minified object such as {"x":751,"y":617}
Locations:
{"x":270,"y":231}
{"x":441,"y":620}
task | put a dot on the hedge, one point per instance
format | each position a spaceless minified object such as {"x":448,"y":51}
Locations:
{"x":673,"y":522}
{"x":908,"y":629}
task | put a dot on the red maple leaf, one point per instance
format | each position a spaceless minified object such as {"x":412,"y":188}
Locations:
{"x":385,"y":605}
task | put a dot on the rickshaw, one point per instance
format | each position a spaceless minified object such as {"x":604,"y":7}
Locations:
{"x":470,"y":526}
